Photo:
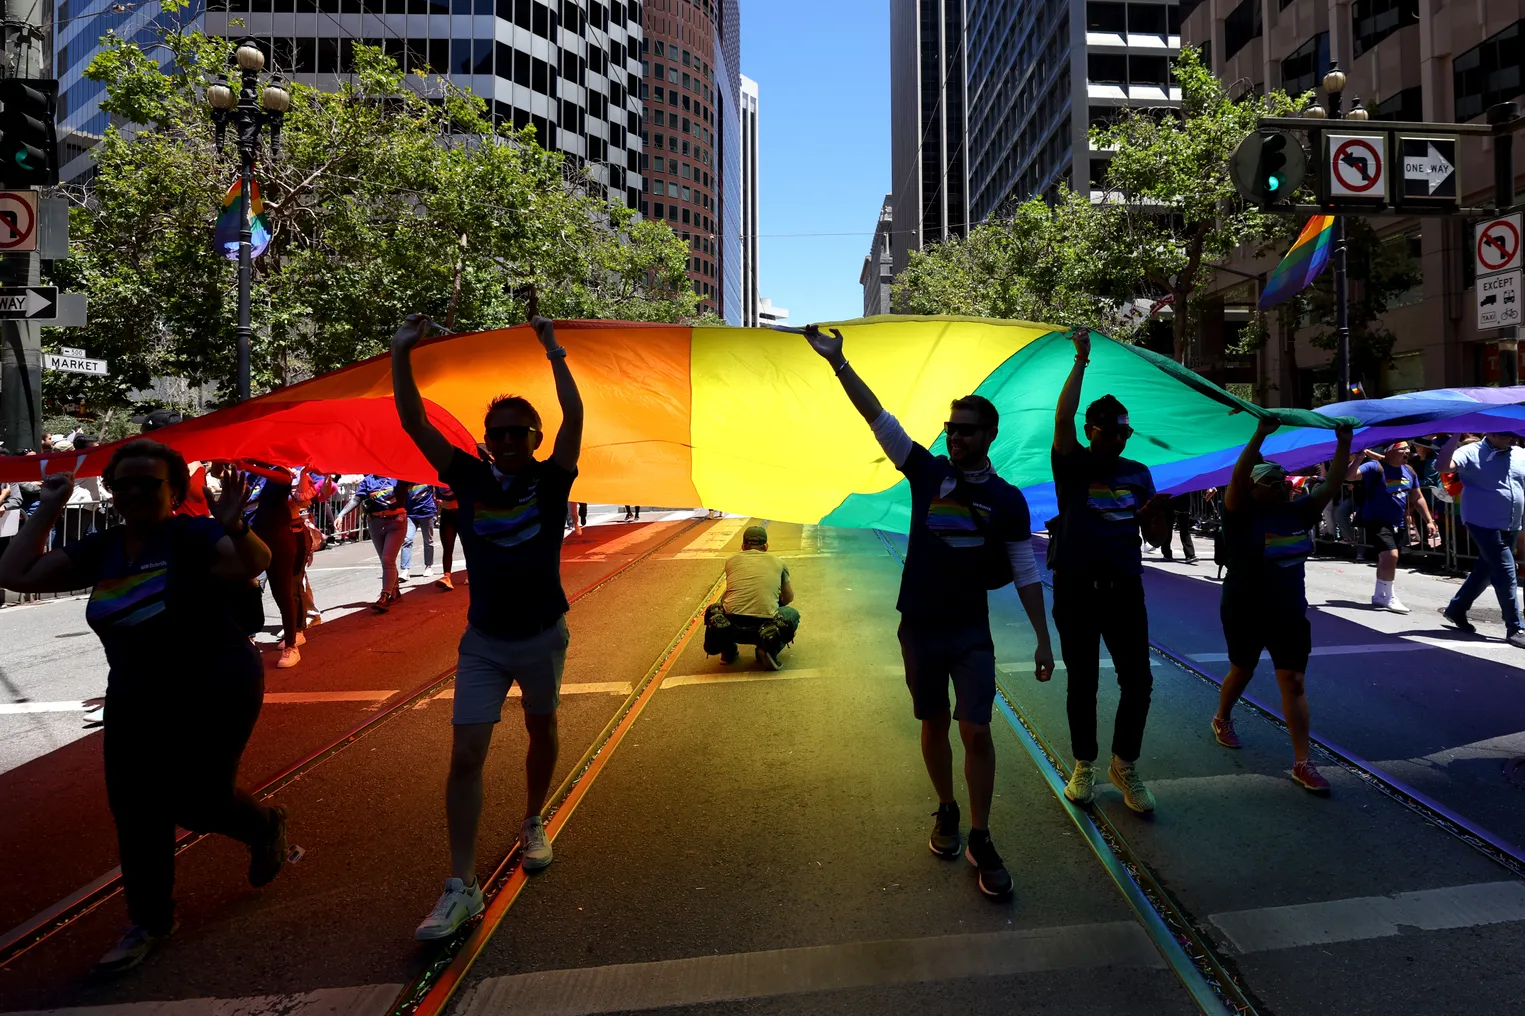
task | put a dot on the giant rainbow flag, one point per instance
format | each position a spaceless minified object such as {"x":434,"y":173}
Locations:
{"x":743,"y":420}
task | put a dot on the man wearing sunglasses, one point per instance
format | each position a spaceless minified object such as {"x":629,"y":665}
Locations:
{"x":510,"y":512}
{"x":970,"y":532}
{"x":1106,"y":503}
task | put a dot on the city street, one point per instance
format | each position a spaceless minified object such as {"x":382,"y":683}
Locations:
{"x":755,"y":842}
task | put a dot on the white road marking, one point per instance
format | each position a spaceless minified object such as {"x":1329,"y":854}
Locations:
{"x":1377,"y":647}
{"x":1368,"y":917}
{"x":619,"y":544}
{"x":711,"y":541}
{"x":590,"y":688}
{"x":368,"y":1000}
{"x":25,"y":708}
{"x":744,"y":676}
{"x":1506,"y":746}
{"x":702,"y":980}
{"x":301,"y":697}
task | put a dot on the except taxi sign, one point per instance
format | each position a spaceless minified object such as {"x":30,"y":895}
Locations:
{"x":18,"y":221}
{"x":1497,"y":246}
{"x":1357,"y":166}
{"x":1498,"y":300}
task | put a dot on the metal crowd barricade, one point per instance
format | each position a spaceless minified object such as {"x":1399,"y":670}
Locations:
{"x":78,"y":520}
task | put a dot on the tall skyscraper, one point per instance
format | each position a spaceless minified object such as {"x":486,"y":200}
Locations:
{"x":1042,"y":73}
{"x":692,"y":128}
{"x":569,"y":67}
{"x":749,"y":202}
{"x":928,"y":102}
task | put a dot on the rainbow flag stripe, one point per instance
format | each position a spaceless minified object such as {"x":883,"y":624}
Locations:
{"x":1303,"y":263}
{"x":225,"y":237}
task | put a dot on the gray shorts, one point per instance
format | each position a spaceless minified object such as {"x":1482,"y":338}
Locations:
{"x":935,"y":655}
{"x":489,"y":666}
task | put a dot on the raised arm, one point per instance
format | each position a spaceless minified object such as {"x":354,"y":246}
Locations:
{"x":830,"y":347}
{"x":240,"y":556}
{"x":569,"y":438}
{"x":27,"y":566}
{"x":410,"y":404}
{"x":1238,"y":493}
{"x":1324,"y":492}
{"x":1447,"y":452}
{"x":1065,"y":438}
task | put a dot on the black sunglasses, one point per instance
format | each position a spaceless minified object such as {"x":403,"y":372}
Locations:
{"x":137,"y":485}
{"x":1124,"y":432}
{"x":517,"y":431}
{"x":961,"y":429}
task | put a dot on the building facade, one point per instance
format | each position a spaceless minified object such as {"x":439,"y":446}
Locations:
{"x":878,"y":266}
{"x":570,"y":68}
{"x":750,"y":100}
{"x":928,"y":139}
{"x":1405,"y":60}
{"x":692,"y":127}
{"x":1042,"y":73}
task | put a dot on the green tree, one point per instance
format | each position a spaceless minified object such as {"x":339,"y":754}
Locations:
{"x":386,"y":196}
{"x":1168,"y":212}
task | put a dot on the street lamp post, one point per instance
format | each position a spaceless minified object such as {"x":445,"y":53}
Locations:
{"x":1334,"y":86}
{"x":250,"y":114}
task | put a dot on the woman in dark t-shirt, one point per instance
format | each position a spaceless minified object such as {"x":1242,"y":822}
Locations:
{"x":175,"y":727}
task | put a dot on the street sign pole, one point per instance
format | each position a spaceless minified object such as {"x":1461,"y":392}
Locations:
{"x":1341,"y":307}
{"x":21,"y":341}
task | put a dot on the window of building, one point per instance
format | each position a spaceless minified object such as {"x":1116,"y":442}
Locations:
{"x":1405,"y":105}
{"x":1374,"y":20}
{"x":1489,"y":73}
{"x":1146,"y":19}
{"x":1304,"y":67}
{"x":1107,"y":68}
{"x":1106,"y":17}
{"x":1148,"y":70}
{"x":1242,"y":24}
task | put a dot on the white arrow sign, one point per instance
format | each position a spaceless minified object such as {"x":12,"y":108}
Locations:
{"x":1432,"y":167}
{"x":27,"y":301}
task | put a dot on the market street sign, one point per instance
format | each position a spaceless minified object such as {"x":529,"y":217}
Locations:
{"x":73,"y":364}
{"x":1429,"y":169}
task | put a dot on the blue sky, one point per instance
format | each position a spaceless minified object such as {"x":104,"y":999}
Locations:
{"x":822,"y":69}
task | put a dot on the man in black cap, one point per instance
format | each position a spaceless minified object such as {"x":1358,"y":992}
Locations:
{"x":970,"y":532}
{"x":755,"y":607}
{"x":1106,"y":502}
{"x":157,"y":419}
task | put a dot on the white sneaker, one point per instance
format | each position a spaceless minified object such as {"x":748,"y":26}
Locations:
{"x":1082,"y":786}
{"x":429,"y":572}
{"x":459,"y":904}
{"x":1395,"y":605}
{"x":537,"y":846}
{"x":290,"y":657}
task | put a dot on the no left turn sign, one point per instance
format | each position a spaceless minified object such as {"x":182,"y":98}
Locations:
{"x":1357,"y":166}
{"x":18,"y":221}
{"x":1498,"y":245}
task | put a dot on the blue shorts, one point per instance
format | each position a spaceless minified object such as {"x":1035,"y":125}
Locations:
{"x":935,"y":654}
{"x":489,"y":666}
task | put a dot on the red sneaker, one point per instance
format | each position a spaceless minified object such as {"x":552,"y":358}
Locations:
{"x":1224,"y":731}
{"x":1309,"y":778}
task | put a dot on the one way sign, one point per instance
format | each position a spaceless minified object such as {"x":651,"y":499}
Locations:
{"x":27,"y":302}
{"x":1429,"y":170}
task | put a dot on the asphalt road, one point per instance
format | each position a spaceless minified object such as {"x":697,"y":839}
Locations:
{"x":757,"y":842}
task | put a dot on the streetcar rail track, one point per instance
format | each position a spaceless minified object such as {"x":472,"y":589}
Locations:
{"x":38,"y":928}
{"x":1214,"y":986}
{"x":432,"y":989}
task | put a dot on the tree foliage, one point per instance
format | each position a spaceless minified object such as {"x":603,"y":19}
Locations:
{"x":387,"y":196}
{"x":1168,"y":212}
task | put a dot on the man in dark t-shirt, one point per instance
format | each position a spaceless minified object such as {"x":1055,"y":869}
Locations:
{"x":1107,"y":505}
{"x":1392,"y":494}
{"x":509,"y":516}
{"x":970,"y":532}
{"x":1265,"y":604}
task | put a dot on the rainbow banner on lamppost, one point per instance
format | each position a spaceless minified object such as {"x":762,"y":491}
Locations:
{"x":225,"y":237}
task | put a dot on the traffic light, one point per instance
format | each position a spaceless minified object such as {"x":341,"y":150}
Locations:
{"x":1267,"y":167}
{"x":28,"y":137}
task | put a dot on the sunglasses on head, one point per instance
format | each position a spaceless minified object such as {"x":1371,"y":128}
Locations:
{"x":137,"y":485}
{"x":517,"y":431}
{"x":961,"y":429}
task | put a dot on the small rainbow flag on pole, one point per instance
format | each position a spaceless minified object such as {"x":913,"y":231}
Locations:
{"x":1303,"y":263}
{"x":225,"y":237}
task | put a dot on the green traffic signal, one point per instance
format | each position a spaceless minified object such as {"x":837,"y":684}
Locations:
{"x":1272,"y":183}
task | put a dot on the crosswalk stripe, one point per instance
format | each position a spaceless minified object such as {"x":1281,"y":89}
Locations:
{"x":367,"y":1000}
{"x":587,"y":688}
{"x":271,"y":698}
{"x":712,"y":540}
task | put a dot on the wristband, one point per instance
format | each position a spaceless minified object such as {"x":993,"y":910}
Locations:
{"x":559,"y":353}
{"x":839,"y":370}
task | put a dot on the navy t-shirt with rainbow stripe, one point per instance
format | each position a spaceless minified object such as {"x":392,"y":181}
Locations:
{"x":1268,"y":543}
{"x":1099,"y":502}
{"x":511,"y":528}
